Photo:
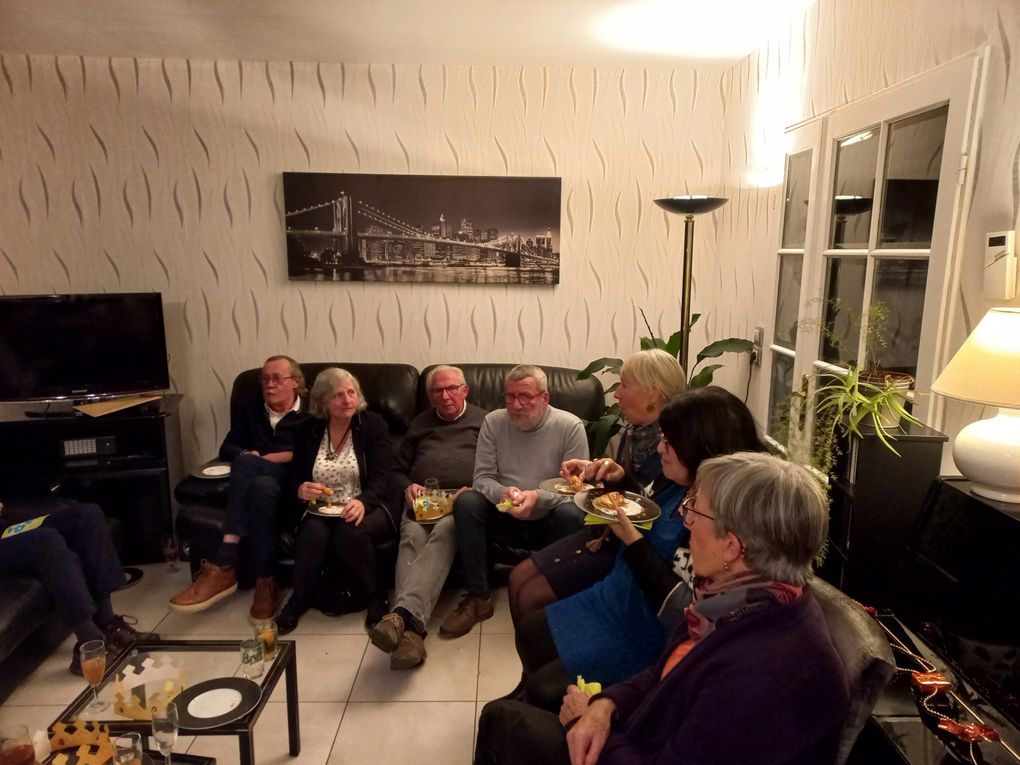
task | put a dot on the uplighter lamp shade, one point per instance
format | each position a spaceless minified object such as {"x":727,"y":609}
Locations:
{"x":986,"y":369}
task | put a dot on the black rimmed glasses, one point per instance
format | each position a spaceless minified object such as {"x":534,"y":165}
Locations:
{"x":687,"y":509}
{"x":274,"y":379}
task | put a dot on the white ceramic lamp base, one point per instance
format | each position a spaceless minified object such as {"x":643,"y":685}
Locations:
{"x":987,"y":452}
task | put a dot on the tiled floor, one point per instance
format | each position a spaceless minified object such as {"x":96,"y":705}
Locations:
{"x":353,"y":708}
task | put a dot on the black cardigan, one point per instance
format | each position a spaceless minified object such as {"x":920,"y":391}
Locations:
{"x":374,"y":453}
{"x":251,"y":432}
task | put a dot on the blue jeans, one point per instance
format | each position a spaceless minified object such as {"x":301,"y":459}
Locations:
{"x":479,"y":522}
{"x":252,"y":502}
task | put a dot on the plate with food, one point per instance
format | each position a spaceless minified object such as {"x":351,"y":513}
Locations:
{"x":602,"y":503}
{"x":329,"y":504}
{"x":432,"y":509}
{"x":568,"y":486}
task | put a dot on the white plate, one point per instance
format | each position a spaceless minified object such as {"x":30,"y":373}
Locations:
{"x":218,"y":701}
{"x":637,"y":507}
{"x":216,"y":471}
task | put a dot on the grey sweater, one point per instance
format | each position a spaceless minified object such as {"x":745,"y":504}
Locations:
{"x":507,"y":456}
{"x":437,"y":448}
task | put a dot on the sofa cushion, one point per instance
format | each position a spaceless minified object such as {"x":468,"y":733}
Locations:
{"x":584,"y":398}
{"x":23,"y":606}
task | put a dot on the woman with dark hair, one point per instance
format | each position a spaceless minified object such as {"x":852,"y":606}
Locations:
{"x":610,"y":631}
{"x":648,"y":380}
{"x":751,"y":674}
{"x":343,"y":452}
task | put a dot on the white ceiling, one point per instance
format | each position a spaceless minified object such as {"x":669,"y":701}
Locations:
{"x":480,"y":32}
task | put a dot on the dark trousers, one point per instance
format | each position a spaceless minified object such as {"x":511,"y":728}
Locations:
{"x":351,"y":546}
{"x":513,"y":733}
{"x":545,"y":677}
{"x":72,"y":554}
{"x":252,"y":502}
{"x":479,"y":522}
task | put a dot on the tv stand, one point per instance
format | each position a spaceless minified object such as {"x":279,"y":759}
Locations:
{"x":126,"y":462}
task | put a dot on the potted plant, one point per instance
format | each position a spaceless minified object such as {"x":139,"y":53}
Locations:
{"x":867,"y":395}
{"x":600,"y":431}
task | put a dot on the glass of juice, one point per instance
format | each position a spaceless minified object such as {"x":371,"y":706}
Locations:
{"x":93,"y":667}
{"x":15,"y":746}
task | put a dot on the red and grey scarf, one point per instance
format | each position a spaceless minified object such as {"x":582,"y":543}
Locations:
{"x":725,"y":599}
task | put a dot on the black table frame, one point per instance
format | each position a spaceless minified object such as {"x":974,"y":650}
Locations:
{"x":284,"y":664}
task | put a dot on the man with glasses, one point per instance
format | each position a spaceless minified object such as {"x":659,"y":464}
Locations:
{"x":518,"y":448}
{"x":440,"y":444}
{"x":258,"y":447}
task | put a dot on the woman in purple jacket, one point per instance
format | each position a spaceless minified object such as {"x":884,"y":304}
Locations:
{"x":752,"y":676}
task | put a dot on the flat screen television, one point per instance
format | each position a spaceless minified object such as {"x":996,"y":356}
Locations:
{"x":80,"y":347}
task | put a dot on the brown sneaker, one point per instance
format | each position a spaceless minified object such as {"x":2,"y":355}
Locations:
{"x":211,"y":585}
{"x":266,"y":601}
{"x":410,"y":651}
{"x":470,"y":611}
{"x":385,"y":635}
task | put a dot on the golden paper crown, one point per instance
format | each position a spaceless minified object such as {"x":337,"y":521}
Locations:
{"x":77,"y":733}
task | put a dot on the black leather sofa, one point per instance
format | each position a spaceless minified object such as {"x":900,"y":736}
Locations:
{"x":395,"y":391}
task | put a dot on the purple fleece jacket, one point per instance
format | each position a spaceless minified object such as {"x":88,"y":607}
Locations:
{"x":766,"y":688}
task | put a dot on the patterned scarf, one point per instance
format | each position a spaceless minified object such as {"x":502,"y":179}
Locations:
{"x":639,"y":443}
{"x":725,"y":599}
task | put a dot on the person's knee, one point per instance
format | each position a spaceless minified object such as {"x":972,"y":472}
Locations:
{"x":50,"y":552}
{"x":265,"y":491}
{"x":470,"y":505}
{"x":521,"y":573}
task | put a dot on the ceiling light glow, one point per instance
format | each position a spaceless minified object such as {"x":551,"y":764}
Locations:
{"x":708,"y":29}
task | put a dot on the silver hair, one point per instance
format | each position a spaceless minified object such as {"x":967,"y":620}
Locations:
{"x":443,"y":368}
{"x":524,"y":371}
{"x":778,"y":510}
{"x":326,"y":383}
{"x":656,"y":371}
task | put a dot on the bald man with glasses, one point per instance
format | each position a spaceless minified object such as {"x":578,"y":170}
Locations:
{"x":259,"y":448}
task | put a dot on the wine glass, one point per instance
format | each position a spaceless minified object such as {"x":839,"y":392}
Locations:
{"x":127,"y":749}
{"x":170,"y":551}
{"x":164,"y":729}
{"x":93,"y":667}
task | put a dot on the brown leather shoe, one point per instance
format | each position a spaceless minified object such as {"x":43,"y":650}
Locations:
{"x":266,"y":601}
{"x":210,"y":586}
{"x":385,"y":635}
{"x":410,"y":651}
{"x":121,"y":634}
{"x":470,"y":611}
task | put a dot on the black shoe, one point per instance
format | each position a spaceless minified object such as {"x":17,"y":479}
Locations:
{"x":119,"y":634}
{"x":288,"y":618}
{"x":377,"y":609}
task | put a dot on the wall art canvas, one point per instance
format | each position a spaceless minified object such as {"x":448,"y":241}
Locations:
{"x":422,"y":228}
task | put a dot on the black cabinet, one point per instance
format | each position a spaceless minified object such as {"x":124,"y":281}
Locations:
{"x":126,"y":462}
{"x":875,"y":500}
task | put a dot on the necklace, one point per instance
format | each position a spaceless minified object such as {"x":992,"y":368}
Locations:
{"x":333,"y":454}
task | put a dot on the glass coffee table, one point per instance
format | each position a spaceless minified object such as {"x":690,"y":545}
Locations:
{"x":154,"y":667}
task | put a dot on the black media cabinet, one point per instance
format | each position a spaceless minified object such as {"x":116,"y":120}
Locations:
{"x":125,"y":462}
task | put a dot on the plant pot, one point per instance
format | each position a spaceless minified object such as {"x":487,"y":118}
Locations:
{"x":887,"y":416}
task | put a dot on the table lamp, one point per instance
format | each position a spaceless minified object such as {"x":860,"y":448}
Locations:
{"x":986,"y":370}
{"x":688,"y":205}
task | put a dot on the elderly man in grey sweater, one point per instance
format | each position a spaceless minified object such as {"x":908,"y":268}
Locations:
{"x":518,"y":447}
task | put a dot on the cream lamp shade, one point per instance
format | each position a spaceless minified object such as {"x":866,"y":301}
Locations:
{"x":986,"y":370}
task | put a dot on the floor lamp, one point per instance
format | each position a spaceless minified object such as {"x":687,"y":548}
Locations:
{"x":688,"y":205}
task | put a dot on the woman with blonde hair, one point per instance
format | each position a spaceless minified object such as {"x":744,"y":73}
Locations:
{"x":648,"y":380}
{"x":343,"y":452}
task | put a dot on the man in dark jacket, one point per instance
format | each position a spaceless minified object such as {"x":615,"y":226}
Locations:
{"x":259,"y":447}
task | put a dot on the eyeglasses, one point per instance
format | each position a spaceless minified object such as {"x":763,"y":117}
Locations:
{"x":449,"y":389}
{"x":274,"y":379}
{"x":522,"y":398}
{"x":687,"y":507}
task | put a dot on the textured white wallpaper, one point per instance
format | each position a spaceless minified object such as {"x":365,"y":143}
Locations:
{"x":123,"y":174}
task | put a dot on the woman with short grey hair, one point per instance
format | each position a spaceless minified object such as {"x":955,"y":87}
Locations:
{"x":326,"y":383}
{"x":751,"y":674}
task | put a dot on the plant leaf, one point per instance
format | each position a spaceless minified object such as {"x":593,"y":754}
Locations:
{"x":672,"y":346}
{"x":704,"y":377}
{"x":728,"y":345}
{"x":605,"y":364}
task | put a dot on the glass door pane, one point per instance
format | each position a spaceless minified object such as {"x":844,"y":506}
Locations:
{"x":844,"y":303}
{"x":788,"y":300}
{"x":896,"y":314}
{"x":854,"y":189}
{"x":795,"y":216}
{"x":913,"y":162}
{"x":780,"y":392}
